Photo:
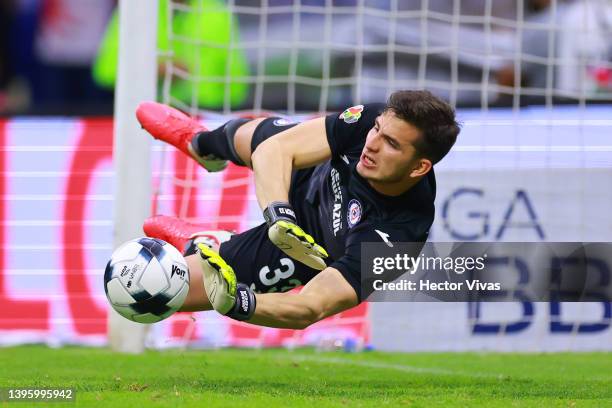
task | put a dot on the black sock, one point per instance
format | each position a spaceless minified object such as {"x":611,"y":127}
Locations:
{"x":219,"y":142}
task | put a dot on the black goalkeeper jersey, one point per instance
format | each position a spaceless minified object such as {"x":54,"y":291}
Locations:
{"x":340,"y":210}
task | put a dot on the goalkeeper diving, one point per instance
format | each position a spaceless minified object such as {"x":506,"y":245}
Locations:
{"x":324,"y":185}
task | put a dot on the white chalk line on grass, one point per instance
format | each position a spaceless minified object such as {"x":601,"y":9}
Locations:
{"x":391,"y":366}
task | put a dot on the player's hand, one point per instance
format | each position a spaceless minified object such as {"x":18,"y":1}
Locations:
{"x":226,"y":295}
{"x":284,"y":232}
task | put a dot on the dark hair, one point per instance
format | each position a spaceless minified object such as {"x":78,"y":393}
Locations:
{"x":432,"y":116}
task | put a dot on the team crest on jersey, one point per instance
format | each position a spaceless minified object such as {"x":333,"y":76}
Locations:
{"x":354,"y":213}
{"x":283,"y":122}
{"x":351,"y":115}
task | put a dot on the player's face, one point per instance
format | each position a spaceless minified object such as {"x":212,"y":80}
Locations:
{"x":389,"y":160}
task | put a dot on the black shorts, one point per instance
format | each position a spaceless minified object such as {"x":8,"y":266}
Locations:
{"x":255,"y":259}
{"x":259,"y":263}
{"x":269,"y":127}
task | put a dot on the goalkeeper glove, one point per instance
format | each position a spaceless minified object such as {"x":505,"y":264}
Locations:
{"x":226,"y":295}
{"x":284,"y":232}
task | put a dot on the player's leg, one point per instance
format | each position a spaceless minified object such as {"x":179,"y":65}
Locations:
{"x":237,"y":139}
{"x":211,"y":149}
{"x":233,"y":141}
{"x":176,"y":128}
{"x":243,"y":135}
{"x":243,"y":138}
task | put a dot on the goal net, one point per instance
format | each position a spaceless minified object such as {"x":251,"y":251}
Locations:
{"x":532,"y":84}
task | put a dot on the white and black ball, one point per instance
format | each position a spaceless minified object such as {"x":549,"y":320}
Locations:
{"x":146,"y":280}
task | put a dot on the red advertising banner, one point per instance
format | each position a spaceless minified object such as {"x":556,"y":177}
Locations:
{"x":56,"y":195}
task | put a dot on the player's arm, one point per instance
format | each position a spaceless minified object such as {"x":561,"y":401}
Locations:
{"x":326,"y":294}
{"x":303,"y":145}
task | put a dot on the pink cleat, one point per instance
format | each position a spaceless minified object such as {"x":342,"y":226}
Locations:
{"x":174,"y":127}
{"x":182,"y":234}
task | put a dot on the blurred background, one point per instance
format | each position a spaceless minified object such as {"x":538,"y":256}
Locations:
{"x":60,"y":56}
{"x":48,"y":48}
{"x":531,"y":81}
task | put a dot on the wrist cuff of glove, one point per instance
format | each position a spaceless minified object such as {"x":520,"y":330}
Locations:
{"x":277,"y":211}
{"x":245,"y":303}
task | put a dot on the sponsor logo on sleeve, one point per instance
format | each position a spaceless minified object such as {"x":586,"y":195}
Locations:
{"x":352,"y":114}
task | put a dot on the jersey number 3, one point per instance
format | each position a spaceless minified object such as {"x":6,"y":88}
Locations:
{"x":272,"y":277}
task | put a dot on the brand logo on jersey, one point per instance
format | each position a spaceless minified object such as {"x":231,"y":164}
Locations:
{"x":354,"y":213}
{"x":351,"y":115}
{"x":283,"y":122}
{"x":345,"y":159}
{"x":337,"y":211}
{"x":385,"y":237}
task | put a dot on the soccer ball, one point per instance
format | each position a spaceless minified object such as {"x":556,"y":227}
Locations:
{"x":146,"y":280}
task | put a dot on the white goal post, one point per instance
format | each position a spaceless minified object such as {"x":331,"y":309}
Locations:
{"x":136,"y":82}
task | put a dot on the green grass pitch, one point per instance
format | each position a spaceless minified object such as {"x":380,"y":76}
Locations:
{"x":305,"y":378}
